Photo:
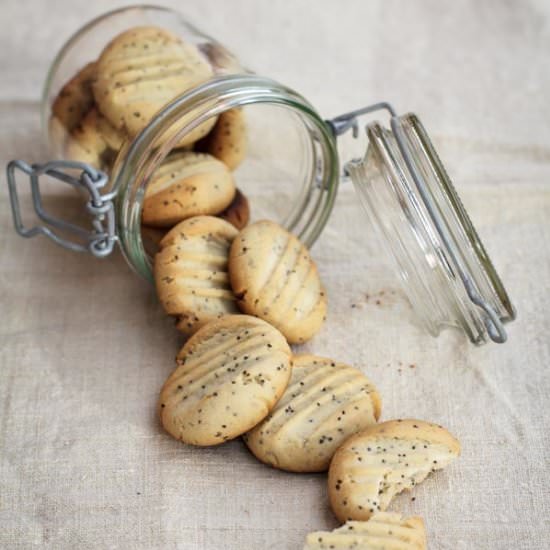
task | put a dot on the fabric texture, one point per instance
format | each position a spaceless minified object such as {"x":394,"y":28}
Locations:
{"x":85,"y":347}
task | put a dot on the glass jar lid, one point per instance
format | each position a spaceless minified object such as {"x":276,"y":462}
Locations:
{"x":410,"y":200}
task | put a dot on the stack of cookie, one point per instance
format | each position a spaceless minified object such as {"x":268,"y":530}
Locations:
{"x":112,"y":99}
{"x":138,"y":73}
{"x":243,"y":297}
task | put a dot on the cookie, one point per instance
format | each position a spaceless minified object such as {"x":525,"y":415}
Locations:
{"x":383,"y":531}
{"x":274,"y":277}
{"x":228,"y":140}
{"x":325,"y":403}
{"x":185,"y":185}
{"x":229,"y":376}
{"x":370,"y":468}
{"x":94,"y":141}
{"x":75,"y":98}
{"x":191,"y":272}
{"x":113,"y":138}
{"x":238,"y":212}
{"x":141,"y":71}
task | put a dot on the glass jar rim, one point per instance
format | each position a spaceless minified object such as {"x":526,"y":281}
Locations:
{"x":206,"y":100}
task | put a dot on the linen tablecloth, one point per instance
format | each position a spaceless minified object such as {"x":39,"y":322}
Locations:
{"x":85,"y":347}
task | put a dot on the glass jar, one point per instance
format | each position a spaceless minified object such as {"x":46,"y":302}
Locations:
{"x":290,"y":174}
{"x":302,"y":168}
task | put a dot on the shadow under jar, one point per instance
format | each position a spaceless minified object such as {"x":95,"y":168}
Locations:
{"x":290,"y":175}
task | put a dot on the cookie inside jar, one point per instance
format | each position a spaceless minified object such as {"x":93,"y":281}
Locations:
{"x":182,"y":130}
{"x":96,"y":105}
{"x":253,"y":165}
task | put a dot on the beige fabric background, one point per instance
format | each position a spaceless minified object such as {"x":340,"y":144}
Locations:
{"x":84,"y":347}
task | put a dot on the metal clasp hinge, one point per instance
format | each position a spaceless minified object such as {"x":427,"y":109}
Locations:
{"x":99,"y":240}
{"x":341,"y":124}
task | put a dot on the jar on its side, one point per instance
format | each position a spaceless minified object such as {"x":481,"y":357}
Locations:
{"x":290,"y":173}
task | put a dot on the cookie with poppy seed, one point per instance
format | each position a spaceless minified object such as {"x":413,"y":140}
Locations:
{"x":383,"y":531}
{"x":94,"y":141}
{"x":274,"y":278}
{"x":370,"y":468}
{"x":75,"y":98}
{"x":229,"y":376}
{"x":141,"y":71}
{"x":191,"y":272}
{"x":187,"y":184}
{"x":325,"y":403}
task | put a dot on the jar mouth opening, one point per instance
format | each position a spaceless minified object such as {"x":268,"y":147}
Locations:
{"x":139,"y":159}
{"x":447,"y":274}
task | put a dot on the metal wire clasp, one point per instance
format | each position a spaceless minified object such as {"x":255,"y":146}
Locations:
{"x":100,"y":239}
{"x":343,"y":123}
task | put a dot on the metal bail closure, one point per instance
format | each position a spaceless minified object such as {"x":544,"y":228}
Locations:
{"x":99,"y":240}
{"x":413,"y":204}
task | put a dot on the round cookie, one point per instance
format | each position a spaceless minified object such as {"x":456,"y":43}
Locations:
{"x":370,"y":468}
{"x":325,"y":403}
{"x":238,"y":212}
{"x":383,"y":531}
{"x":94,"y":141}
{"x":141,"y":71}
{"x":111,"y":136}
{"x":191,"y":272}
{"x":229,"y":376}
{"x":75,"y":98}
{"x":274,"y":278}
{"x":228,"y":140}
{"x":187,"y":184}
